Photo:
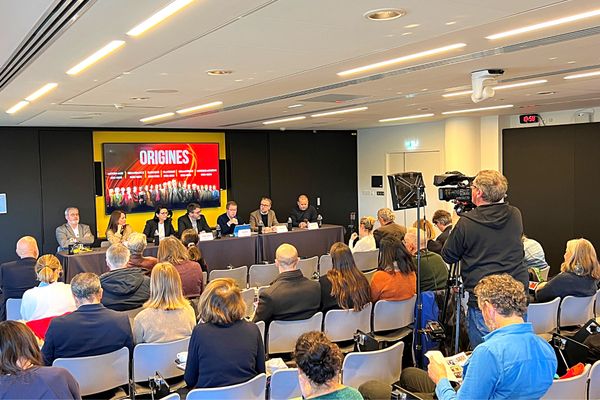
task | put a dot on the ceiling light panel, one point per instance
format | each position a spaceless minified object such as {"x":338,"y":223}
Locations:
{"x":470,"y":110}
{"x":499,"y":87}
{"x":407,"y":117}
{"x":583,"y":75}
{"x":159,"y":17}
{"x":346,"y":111}
{"x":156,"y":117}
{"x":17,"y":107}
{"x":200,"y":107}
{"x":97,"y":56}
{"x":283,"y":120}
{"x":41,"y":91}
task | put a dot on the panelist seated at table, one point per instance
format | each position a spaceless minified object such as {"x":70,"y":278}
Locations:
{"x":303,"y":213}
{"x":73,"y":232}
{"x":264,"y":214}
{"x":193,"y":219}
{"x":229,"y":220}
{"x":160,"y":225}
{"x":118,"y":230}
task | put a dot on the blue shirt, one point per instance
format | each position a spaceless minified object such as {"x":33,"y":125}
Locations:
{"x":511,"y":363}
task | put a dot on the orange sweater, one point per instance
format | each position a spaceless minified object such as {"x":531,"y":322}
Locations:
{"x":393,"y":286}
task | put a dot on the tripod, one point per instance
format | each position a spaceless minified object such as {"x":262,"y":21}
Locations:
{"x":455,"y":288}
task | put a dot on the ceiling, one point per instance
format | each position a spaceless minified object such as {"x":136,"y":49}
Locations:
{"x":284,"y":53}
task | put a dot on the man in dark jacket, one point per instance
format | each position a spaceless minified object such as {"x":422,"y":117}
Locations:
{"x":18,"y":276}
{"x":124,"y":288}
{"x":192,"y":220}
{"x":443,"y":220}
{"x":303,"y":213}
{"x":488,"y":242}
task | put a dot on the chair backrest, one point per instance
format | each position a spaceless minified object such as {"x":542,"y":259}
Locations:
{"x":261,"y":328}
{"x":151,"y":357}
{"x":597,"y":305}
{"x":369,"y":275}
{"x":308,"y":266}
{"x":13,"y":309}
{"x":248,"y":297}
{"x":252,"y":389}
{"x":570,"y":388}
{"x":97,"y":374}
{"x":172,"y":396}
{"x":544,"y":272}
{"x":204,"y":278}
{"x":594,"y":382}
{"x":382,"y":365}
{"x":325,"y":264}
{"x":104,"y":244}
{"x":388,"y":315}
{"x":239,"y":274}
{"x":366,"y":260}
{"x":282,"y":335}
{"x":575,"y":310}
{"x":340,"y":325}
{"x":543,"y":316}
{"x":284,"y":384}
{"x":262,"y":274}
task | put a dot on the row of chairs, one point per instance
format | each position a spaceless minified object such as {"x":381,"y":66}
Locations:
{"x":584,"y":386}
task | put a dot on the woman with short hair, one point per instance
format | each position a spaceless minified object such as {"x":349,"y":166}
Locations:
{"x":396,"y":277}
{"x":224,"y":349}
{"x":118,"y":230}
{"x":366,"y":240}
{"x":172,"y":250}
{"x":167,"y":315}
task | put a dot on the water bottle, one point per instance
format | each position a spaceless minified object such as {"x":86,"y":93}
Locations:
{"x":218,"y":231}
{"x":319,"y":220}
{"x":289,"y":223}
{"x":260,"y":226}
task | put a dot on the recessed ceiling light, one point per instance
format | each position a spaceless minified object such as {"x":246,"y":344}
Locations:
{"x":126,"y":73}
{"x":584,"y":75}
{"x":546,"y":24}
{"x":384,"y":14}
{"x":156,"y":117}
{"x":407,"y":117}
{"x":97,"y":56}
{"x":281,"y":121}
{"x":398,"y":60}
{"x":499,"y":87}
{"x":238,"y":80}
{"x":412,"y":26}
{"x":346,"y":111}
{"x":407,"y":33}
{"x":469,"y":110}
{"x":450,"y":23}
{"x":162,"y":91}
{"x":17,"y":107}
{"x":159,"y":17}
{"x":200,"y":107}
{"x":552,"y":58}
{"x":139,"y":98}
{"x":296,"y":105}
{"x":41,"y":91}
{"x":218,"y":72}
{"x":571,"y":62}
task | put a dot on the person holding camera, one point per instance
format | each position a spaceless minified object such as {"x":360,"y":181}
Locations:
{"x":487,"y":241}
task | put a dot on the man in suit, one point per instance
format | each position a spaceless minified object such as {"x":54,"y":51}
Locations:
{"x":90,"y":330}
{"x":18,"y":276}
{"x":291,"y":296}
{"x":443,"y":220}
{"x":229,"y":220}
{"x":192,"y":220}
{"x":388,"y":227}
{"x":264,"y":213}
{"x":303,"y":213}
{"x":73,"y":232}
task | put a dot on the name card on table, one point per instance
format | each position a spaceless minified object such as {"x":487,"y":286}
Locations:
{"x":280,"y":228}
{"x":204,"y":236}
{"x":313,"y":225}
{"x":244,"y":233}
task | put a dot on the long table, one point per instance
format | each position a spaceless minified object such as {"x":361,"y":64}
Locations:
{"x":309,"y":243}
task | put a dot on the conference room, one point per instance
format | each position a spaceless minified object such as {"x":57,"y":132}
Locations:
{"x":106,"y":104}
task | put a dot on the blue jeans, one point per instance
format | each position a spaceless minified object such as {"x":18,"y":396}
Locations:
{"x":476,"y":327}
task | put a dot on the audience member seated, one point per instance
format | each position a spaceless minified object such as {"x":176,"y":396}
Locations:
{"x":73,"y":232}
{"x":193,"y":219}
{"x":366,"y":241}
{"x":22,"y":374}
{"x":167,"y":315}
{"x":118,"y":230}
{"x":160,"y":226}
{"x":224,"y":349}
{"x":319,"y":365}
{"x":534,"y":254}
{"x":123,"y":288}
{"x":388,"y":227}
{"x":51,"y":297}
{"x":18,"y":276}
{"x":190,"y":240}
{"x":434,"y":272}
{"x":396,"y":277}
{"x":229,"y":220}
{"x":90,"y":330}
{"x":579,"y":274}
{"x":172,"y":250}
{"x":136,"y":245}
{"x":264,"y":214}
{"x":344,"y":286}
{"x":425,"y":226}
{"x":303,"y":213}
{"x":442,"y":219}
{"x":512,"y":362}
{"x":291,"y":296}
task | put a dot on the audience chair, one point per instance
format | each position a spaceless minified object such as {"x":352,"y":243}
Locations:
{"x":366,"y":260}
{"x":13,"y":309}
{"x":204,"y":278}
{"x":261,"y":328}
{"x":262,"y":274}
{"x":593,"y":389}
{"x":369,"y":275}
{"x":570,"y":388}
{"x":597,"y":305}
{"x":253,"y":389}
{"x":284,"y":384}
{"x":544,"y":272}
{"x":308,"y":266}
{"x":105,"y":244}
{"x":544,"y":316}
{"x":151,"y":357}
{"x":248,"y":297}
{"x":325,"y":264}
{"x":282,"y":335}
{"x":575,"y":311}
{"x":381,"y":365}
{"x":172,"y":396}
{"x":341,"y":325}
{"x":395,"y":316}
{"x":240,"y":275}
{"x":97,"y":374}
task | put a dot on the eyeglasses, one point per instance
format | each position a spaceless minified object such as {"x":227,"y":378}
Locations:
{"x":265,"y":205}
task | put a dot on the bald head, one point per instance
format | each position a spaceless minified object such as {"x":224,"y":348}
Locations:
{"x":286,"y":257}
{"x":410,"y":239}
{"x":27,"y":247}
{"x":303,"y":202}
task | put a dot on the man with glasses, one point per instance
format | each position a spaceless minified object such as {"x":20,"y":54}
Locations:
{"x":192,"y":220}
{"x":73,"y":232}
{"x":487,"y":241}
{"x":265,"y":215}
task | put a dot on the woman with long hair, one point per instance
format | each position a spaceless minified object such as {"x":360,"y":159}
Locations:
{"x":173,"y":251}
{"x":344,"y":286}
{"x":190,"y":240}
{"x":426,"y":226}
{"x":160,"y":226}
{"x":118,"y":230}
{"x":396,"y":277}
{"x":22,"y":371}
{"x":366,"y":240}
{"x":167,"y":315}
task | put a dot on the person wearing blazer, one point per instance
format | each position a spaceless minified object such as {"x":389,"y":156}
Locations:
{"x":443,"y":220}
{"x":265,"y":214}
{"x":16,"y":277}
{"x":192,"y":220}
{"x":160,"y":225}
{"x":73,"y":232}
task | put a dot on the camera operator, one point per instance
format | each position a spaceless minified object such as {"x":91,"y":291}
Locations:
{"x":488,"y":241}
